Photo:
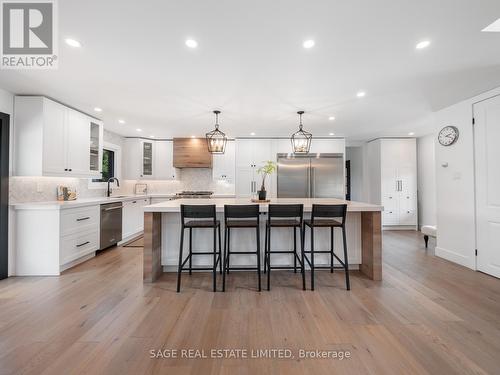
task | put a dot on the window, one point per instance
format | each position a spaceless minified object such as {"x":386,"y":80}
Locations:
{"x":108,"y":166}
{"x":111,"y":165}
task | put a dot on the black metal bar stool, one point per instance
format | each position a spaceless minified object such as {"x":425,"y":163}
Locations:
{"x":200,"y":217}
{"x":284,"y":216}
{"x":238,"y":217}
{"x":327,"y":216}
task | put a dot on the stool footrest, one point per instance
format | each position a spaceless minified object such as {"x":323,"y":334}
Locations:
{"x":243,"y":252}
{"x":242,"y":268}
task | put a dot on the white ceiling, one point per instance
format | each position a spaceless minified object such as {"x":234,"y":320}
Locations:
{"x":250,"y":64}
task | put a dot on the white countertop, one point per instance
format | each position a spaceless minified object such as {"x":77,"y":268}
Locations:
{"x":82,"y":202}
{"x":174,"y":205}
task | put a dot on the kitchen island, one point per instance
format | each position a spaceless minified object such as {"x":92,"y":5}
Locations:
{"x":162,"y":230}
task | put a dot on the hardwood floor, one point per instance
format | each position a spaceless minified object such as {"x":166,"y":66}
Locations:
{"x":427,"y":316}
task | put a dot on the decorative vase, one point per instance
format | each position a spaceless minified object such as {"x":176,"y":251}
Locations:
{"x":262,"y":195}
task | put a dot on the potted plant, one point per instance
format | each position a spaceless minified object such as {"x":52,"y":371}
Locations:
{"x":267,"y":169}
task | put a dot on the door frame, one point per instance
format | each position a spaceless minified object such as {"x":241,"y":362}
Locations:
{"x":4,"y":194}
{"x":476,"y":203}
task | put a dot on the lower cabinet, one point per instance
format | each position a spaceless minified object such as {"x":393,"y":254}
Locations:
{"x":133,"y":218}
{"x":50,"y":240}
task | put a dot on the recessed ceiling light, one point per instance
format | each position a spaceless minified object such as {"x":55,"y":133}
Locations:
{"x":331,"y":118}
{"x":411,"y":133}
{"x":252,"y":133}
{"x":151,"y":136}
{"x":193,"y":136}
{"x":493,"y":28}
{"x":139,"y":130}
{"x":191,"y":43}
{"x":73,"y":43}
{"x":121,"y":121}
{"x":97,"y":109}
{"x":423,"y":44}
{"x":331,"y":134}
{"x":361,"y":94}
{"x":308,"y":43}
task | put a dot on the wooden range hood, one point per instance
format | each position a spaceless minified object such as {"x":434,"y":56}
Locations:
{"x":191,"y":153}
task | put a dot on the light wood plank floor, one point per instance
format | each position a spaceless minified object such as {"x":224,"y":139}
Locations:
{"x":428,"y":316}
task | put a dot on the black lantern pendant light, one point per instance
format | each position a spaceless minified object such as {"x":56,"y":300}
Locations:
{"x":301,"y":140}
{"x":216,"y":140}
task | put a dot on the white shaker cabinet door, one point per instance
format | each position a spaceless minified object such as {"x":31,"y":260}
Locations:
{"x":78,"y":144}
{"x":54,"y":138}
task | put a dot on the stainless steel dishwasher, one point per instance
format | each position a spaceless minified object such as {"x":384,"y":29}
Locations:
{"x":111,"y":224}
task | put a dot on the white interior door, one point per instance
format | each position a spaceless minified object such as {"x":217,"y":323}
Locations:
{"x":487,"y":157}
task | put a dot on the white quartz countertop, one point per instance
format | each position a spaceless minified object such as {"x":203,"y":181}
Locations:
{"x":174,"y":205}
{"x":82,"y":202}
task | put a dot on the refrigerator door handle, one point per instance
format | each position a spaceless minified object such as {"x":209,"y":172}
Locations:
{"x":309,"y":182}
{"x":313,"y":192}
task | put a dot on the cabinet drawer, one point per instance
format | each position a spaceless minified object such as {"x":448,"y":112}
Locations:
{"x":76,"y":220}
{"x":78,"y":245}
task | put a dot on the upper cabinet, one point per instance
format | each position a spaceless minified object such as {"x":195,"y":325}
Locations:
{"x":51,"y":139}
{"x":148,"y":159}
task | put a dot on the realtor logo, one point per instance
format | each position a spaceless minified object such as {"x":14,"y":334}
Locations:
{"x":29,"y":38}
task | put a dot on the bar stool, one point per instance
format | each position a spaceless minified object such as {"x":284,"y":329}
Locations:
{"x":240,"y":217}
{"x":327,"y":216}
{"x":284,"y":216}
{"x":202,"y":217}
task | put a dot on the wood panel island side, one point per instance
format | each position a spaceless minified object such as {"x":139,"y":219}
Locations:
{"x":162,"y":236}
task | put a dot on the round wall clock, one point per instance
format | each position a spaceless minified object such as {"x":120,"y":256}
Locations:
{"x":448,"y":135}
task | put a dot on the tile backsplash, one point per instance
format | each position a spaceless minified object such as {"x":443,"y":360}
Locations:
{"x":39,"y":189}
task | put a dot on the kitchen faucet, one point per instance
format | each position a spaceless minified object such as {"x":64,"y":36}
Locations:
{"x":109,"y":191}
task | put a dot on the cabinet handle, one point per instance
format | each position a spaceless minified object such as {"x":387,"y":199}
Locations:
{"x":390,"y":197}
{"x":134,"y":202}
{"x":83,"y":244}
{"x":83,"y":218}
{"x":65,"y":169}
{"x":70,"y":170}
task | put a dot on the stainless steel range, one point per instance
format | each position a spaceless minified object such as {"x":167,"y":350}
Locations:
{"x":194,"y":194}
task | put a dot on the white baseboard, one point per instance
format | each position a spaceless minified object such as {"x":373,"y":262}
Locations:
{"x":455,"y":257}
{"x":399,"y":227}
{"x":130,"y":238}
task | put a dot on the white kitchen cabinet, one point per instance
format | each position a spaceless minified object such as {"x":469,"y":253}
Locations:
{"x":139,"y":159}
{"x":163,"y":161}
{"x":251,"y":154}
{"x":51,"y":139}
{"x":148,"y":160}
{"x":133,"y":218}
{"x":53,"y":239}
{"x":223,"y":165}
{"x":392,"y":165}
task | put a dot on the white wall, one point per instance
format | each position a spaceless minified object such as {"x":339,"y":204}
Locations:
{"x":355,"y":155}
{"x":455,"y":185}
{"x":426,"y":166}
{"x":7,"y":106}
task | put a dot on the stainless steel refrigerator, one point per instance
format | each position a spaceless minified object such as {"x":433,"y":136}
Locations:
{"x":311,"y":176}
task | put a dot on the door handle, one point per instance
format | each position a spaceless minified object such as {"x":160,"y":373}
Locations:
{"x":313,"y":187}
{"x":83,"y":244}
{"x":113,"y":208}
{"x":83,"y":218}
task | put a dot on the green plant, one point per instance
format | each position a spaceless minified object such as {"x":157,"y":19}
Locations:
{"x":267,"y":169}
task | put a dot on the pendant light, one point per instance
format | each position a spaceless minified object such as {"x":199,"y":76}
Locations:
{"x":216,"y":140}
{"x":301,"y":140}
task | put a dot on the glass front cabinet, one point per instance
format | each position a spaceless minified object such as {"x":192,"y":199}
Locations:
{"x":96,"y":146}
{"x":147,"y":159}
